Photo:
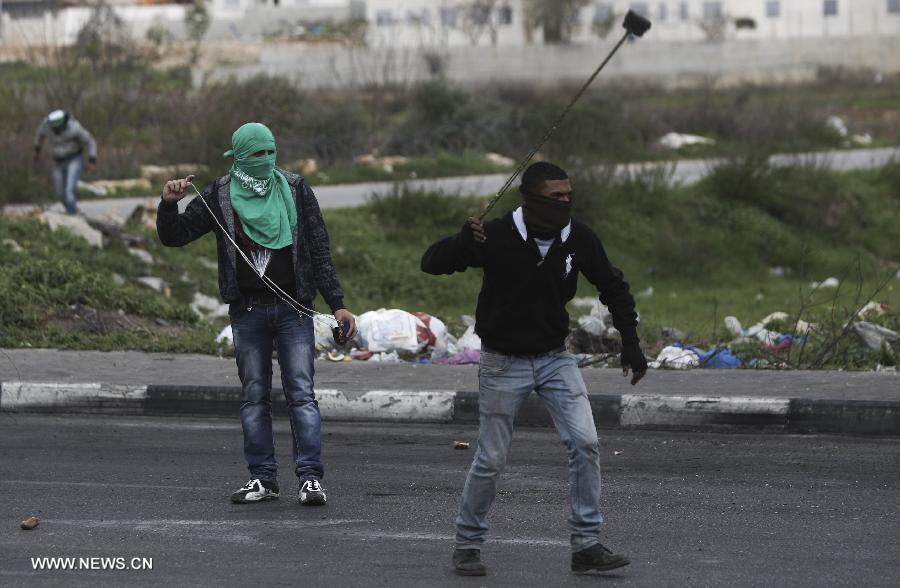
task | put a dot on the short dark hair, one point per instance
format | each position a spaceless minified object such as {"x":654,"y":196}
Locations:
{"x":537,"y":173}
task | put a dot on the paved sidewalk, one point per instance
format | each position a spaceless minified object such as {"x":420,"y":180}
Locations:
{"x":154,"y":383}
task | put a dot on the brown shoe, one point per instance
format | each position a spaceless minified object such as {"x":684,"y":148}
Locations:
{"x":597,"y":558}
{"x":467,"y":562}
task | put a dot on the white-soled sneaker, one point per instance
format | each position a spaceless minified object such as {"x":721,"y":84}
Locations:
{"x":312,"y":493}
{"x":255,"y":491}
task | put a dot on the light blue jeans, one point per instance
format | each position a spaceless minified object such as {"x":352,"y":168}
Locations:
{"x":255,"y":327}
{"x":66,"y":173}
{"x":505,"y":381}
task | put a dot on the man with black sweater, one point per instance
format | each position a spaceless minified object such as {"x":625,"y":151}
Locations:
{"x":531,"y":258}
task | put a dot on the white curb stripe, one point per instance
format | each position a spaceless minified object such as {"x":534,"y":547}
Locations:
{"x":34,"y":395}
{"x":645,"y":409}
{"x":388,"y":405}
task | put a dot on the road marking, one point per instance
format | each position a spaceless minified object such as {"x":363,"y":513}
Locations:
{"x":109,"y":485}
{"x":162,"y":523}
{"x":449,"y":538}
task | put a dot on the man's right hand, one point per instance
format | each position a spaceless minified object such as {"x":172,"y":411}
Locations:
{"x":175,"y":190}
{"x":475,"y":228}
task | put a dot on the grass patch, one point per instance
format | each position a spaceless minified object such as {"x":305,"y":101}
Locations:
{"x":706,"y":251}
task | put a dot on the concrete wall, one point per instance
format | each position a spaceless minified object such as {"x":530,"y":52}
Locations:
{"x":671,"y":63}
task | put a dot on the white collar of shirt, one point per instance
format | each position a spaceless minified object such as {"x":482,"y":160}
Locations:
{"x":519,"y":221}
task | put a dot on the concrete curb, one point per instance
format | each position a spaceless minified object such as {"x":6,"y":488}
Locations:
{"x":627,"y":411}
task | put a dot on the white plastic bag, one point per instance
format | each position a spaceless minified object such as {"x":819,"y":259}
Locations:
{"x":389,"y":330}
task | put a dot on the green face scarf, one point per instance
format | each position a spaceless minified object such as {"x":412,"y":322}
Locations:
{"x":260,"y":194}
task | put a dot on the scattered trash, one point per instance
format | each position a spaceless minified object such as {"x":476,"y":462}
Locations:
{"x":360,"y":355}
{"x":675,"y":358}
{"x":460,"y":445}
{"x":886,"y":369}
{"x":334,"y":355}
{"x":875,"y":309}
{"x":461,"y":358}
{"x":645,"y":293}
{"x":779,"y":271}
{"x":618,"y":452}
{"x":828,"y":283}
{"x":469,"y":341}
{"x":391,"y":357}
{"x":678,"y":140}
{"x":225,"y":341}
{"x":875,"y":336}
{"x":30,"y":523}
{"x":863,"y":139}
{"x":389,"y":330}
{"x":836,"y":124}
{"x":12,"y":246}
{"x":118,"y":280}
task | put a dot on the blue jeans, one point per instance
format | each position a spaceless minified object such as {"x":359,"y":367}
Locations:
{"x":66,"y":173}
{"x":254,"y":328}
{"x":505,"y":381}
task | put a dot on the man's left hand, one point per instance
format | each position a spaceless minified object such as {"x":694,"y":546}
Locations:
{"x":345,"y":316}
{"x":633,"y":357}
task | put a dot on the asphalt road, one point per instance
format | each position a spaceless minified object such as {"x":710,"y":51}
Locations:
{"x":689,"y":509}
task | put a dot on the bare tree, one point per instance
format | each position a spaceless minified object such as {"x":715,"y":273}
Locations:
{"x":557,"y":18}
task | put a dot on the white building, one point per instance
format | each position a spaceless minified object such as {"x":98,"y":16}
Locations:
{"x":502,"y":22}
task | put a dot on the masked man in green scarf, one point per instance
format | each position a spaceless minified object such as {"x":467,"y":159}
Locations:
{"x":531,"y":259}
{"x":274,"y":218}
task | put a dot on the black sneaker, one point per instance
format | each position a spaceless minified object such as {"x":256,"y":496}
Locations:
{"x":312,"y":493}
{"x":467,"y":562}
{"x":597,"y":558}
{"x":256,"y":490}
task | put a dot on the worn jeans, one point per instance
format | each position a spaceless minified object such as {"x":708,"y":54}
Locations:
{"x":505,"y":381}
{"x":254,"y":328}
{"x":66,"y":173}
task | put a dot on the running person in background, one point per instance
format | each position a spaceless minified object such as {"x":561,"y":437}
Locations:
{"x":68,"y":141}
{"x":531,"y":259}
{"x":274,"y":218}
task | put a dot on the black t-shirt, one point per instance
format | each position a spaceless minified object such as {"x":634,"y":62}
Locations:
{"x":280,"y":269}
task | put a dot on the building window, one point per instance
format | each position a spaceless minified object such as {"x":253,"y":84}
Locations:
{"x":893,"y":6}
{"x":773,"y":9}
{"x":712,"y":10}
{"x":384,"y":18}
{"x":683,"y":12}
{"x":830,"y":8}
{"x":505,"y":15}
{"x":481,"y":14}
{"x":663,"y":12}
{"x":448,"y":17}
{"x":641,"y":8}
{"x":603,"y":11}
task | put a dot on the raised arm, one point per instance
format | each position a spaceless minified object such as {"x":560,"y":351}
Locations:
{"x":177,"y":229}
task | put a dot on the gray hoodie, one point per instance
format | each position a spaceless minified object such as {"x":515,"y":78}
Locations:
{"x":68,"y":143}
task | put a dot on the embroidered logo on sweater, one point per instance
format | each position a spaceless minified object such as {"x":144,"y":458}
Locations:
{"x":569,"y":259}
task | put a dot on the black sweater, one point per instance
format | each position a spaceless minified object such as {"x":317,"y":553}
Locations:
{"x":522,"y":303}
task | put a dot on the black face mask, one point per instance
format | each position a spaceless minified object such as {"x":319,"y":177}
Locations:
{"x":546,"y":215}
